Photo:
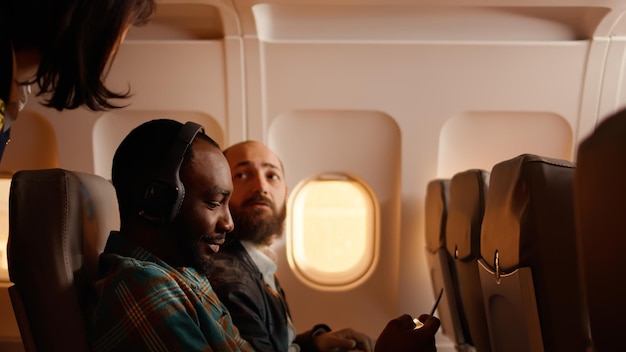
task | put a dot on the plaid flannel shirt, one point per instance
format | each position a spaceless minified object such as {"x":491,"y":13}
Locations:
{"x":143,"y":304}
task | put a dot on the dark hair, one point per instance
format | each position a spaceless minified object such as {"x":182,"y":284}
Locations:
{"x":139,"y":157}
{"x":76,"y":41}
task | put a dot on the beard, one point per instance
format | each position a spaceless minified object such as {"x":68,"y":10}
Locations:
{"x":194,"y":256}
{"x":256,"y":226}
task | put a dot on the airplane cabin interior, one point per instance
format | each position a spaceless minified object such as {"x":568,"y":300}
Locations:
{"x":474,"y":146}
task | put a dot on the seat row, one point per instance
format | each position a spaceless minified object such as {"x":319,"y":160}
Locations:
{"x":528,"y":253}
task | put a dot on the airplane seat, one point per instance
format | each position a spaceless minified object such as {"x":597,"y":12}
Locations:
{"x":528,"y":265}
{"x":599,"y":198}
{"x":440,"y":264}
{"x":468,"y":194}
{"x":59,"y":221}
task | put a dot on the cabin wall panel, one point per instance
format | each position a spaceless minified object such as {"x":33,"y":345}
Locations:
{"x":173,"y":75}
{"x":71,"y":128}
{"x":235,"y":123}
{"x":614,"y":80}
{"x":254,"y":118}
{"x":479,"y":139}
{"x":416,"y":77}
{"x":33,"y":144}
{"x":310,"y":142}
{"x":604,"y":89}
{"x":594,"y":89}
{"x":420,"y":85}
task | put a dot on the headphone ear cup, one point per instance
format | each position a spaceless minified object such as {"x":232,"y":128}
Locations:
{"x":161,"y":202}
{"x":164,"y":196}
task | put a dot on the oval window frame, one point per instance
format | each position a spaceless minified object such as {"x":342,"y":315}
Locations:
{"x":322,"y":279}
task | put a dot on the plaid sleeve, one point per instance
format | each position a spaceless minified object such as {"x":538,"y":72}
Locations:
{"x":144,"y":308}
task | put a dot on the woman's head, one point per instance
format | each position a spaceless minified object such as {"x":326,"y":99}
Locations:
{"x":76,"y":41}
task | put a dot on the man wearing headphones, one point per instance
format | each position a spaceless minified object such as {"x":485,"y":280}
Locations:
{"x":173,"y":186}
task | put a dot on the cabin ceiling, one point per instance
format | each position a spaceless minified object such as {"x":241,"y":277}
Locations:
{"x":385,"y":20}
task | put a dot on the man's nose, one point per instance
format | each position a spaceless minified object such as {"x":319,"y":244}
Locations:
{"x":260,"y":185}
{"x":226,"y":223}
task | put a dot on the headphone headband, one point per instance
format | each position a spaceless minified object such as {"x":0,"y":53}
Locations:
{"x":164,"y":196}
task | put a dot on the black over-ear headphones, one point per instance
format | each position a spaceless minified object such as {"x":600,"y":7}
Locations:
{"x":164,"y":196}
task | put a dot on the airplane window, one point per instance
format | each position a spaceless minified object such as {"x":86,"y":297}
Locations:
{"x":332,"y":235}
{"x":5,"y":184}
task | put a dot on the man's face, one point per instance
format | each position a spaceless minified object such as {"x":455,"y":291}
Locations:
{"x":204,"y":218}
{"x":259,"y":192}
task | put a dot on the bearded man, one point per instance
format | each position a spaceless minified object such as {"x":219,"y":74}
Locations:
{"x":243,"y":271}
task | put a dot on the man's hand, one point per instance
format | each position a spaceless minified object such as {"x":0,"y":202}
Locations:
{"x":343,"y":340}
{"x":400,"y":335}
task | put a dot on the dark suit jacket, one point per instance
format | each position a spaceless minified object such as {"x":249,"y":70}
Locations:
{"x":258,"y":311}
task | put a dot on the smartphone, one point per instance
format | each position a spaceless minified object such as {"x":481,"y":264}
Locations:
{"x":419,"y":324}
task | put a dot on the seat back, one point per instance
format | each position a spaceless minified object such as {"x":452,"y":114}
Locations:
{"x":440,"y":264}
{"x":528,"y":264}
{"x":600,"y":202}
{"x":59,"y":222}
{"x":468,"y":193}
